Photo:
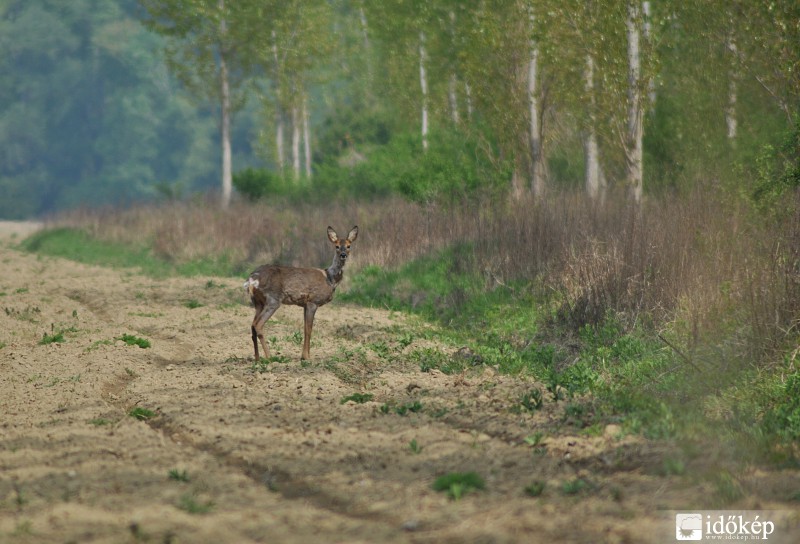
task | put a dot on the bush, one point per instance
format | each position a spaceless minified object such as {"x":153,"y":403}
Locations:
{"x":783,"y":418}
{"x":255,"y":184}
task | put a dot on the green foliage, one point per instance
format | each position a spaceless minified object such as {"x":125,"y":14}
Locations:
{"x":414,"y":446}
{"x":574,"y":487}
{"x":54,"y":338}
{"x":262,"y":365}
{"x":458,"y":484}
{"x":783,"y":417}
{"x":255,"y":184}
{"x":142,"y":414}
{"x":358,"y":398}
{"x":778,"y":172}
{"x":535,"y":489}
{"x":532,"y":400}
{"x":178,"y":475}
{"x":77,"y":245}
{"x":190,"y":503}
{"x":193,"y":304}
{"x":132,"y":340}
{"x":402,"y":409}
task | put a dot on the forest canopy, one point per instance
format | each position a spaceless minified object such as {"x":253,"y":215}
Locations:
{"x":117,"y":101}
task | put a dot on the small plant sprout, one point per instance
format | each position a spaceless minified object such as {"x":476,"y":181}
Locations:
{"x":189,"y":503}
{"x":178,"y":475}
{"x":532,"y":400}
{"x":573,"y":487}
{"x":414,"y":446}
{"x":534,"y":489}
{"x":458,"y":484}
{"x":535,"y":439}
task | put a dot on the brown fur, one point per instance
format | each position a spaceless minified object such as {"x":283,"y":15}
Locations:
{"x":269,"y":286}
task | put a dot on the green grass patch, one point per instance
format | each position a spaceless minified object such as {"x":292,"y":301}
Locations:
{"x":358,"y":398}
{"x":263,"y":363}
{"x":77,"y":245}
{"x":534,"y":489}
{"x":53,"y":338}
{"x":458,"y":484}
{"x":142,"y":414}
{"x":574,"y":487}
{"x":193,"y":303}
{"x":189,"y":503}
{"x":132,"y":340}
{"x":178,"y":475}
{"x":100,"y":422}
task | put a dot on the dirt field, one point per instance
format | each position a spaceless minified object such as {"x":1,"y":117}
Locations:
{"x":274,"y":456}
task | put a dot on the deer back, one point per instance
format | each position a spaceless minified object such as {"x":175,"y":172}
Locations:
{"x":291,"y":285}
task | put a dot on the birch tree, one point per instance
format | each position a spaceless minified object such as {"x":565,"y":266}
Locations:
{"x":535,"y":112}
{"x":202,"y":53}
{"x":635,"y":123}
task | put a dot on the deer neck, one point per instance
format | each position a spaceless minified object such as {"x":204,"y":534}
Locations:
{"x":335,"y":272}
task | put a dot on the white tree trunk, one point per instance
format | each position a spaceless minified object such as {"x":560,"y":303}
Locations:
{"x":730,"y":109}
{"x":452,"y":89}
{"x":365,"y":33}
{"x":280,"y":152}
{"x":453,"y":98}
{"x":306,"y":138}
{"x":468,"y":96}
{"x":225,"y":121}
{"x":295,"y":142}
{"x":423,"y":82}
{"x":648,"y":34}
{"x":538,"y":171}
{"x":633,"y":144}
{"x":279,"y":144}
{"x":595,"y":181}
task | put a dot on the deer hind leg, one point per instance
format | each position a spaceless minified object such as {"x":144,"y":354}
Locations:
{"x":263,"y":313}
{"x":308,"y":321}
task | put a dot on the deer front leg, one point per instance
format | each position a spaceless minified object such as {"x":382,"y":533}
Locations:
{"x":308,"y":319}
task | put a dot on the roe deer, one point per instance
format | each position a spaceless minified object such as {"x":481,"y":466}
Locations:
{"x":271,"y":285}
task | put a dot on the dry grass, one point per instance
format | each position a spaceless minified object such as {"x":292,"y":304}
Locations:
{"x":693,"y":262}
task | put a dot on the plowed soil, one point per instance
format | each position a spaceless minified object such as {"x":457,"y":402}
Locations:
{"x":236,"y":452}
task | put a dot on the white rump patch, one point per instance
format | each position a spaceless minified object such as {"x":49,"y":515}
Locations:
{"x":250,"y":285}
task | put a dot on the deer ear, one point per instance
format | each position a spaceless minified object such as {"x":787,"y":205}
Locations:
{"x":353,"y":234}
{"x":332,"y":235}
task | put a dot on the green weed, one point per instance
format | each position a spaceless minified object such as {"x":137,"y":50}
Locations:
{"x":262,"y":365}
{"x":458,"y":484}
{"x":132,"y":340}
{"x":100,"y":421}
{"x":358,"y":398}
{"x":54,"y":338}
{"x":573,"y":487}
{"x":535,"y":439}
{"x":189,"y":503}
{"x":193,"y":304}
{"x":142,"y":414}
{"x":532,"y":400}
{"x":534,"y":489}
{"x":414,"y":446}
{"x":178,"y":475}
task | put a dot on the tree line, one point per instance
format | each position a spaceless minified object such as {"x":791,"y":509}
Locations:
{"x":615,"y":95}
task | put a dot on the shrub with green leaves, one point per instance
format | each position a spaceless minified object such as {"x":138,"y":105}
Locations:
{"x":783,"y":418}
